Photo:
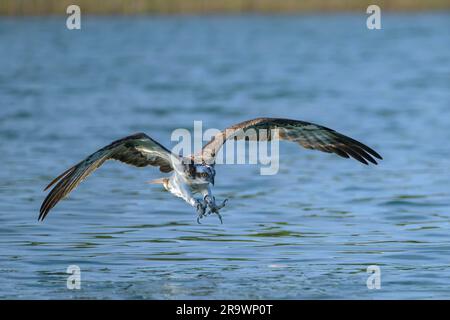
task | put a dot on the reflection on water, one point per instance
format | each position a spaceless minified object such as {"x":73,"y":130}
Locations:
{"x":308,"y":232}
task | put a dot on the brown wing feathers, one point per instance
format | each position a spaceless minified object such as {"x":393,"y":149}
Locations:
{"x":138,"y":150}
{"x":328,"y":140}
{"x":308,"y":135}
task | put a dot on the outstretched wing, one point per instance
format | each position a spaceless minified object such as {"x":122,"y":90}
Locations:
{"x":138,"y":150}
{"x":308,"y":135}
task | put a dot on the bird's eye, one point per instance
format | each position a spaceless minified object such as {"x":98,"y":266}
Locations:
{"x":204,"y":174}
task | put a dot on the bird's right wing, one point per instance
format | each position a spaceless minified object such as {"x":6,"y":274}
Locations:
{"x":138,"y":150}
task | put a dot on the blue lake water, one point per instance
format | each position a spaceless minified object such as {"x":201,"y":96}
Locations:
{"x":308,"y":232}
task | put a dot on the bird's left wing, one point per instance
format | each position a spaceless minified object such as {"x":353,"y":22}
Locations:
{"x":306,"y":134}
{"x":138,"y":150}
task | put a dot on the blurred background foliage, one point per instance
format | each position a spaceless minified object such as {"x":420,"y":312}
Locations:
{"x":54,"y":7}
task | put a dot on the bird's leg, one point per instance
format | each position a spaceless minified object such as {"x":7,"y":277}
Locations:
{"x":185,"y":193}
{"x":212,"y":206}
{"x":201,"y":208}
{"x":211,"y":203}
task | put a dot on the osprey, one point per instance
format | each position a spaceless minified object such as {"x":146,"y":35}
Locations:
{"x":194,"y":174}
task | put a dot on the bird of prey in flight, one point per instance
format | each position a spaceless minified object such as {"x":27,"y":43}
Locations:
{"x":193,"y":175}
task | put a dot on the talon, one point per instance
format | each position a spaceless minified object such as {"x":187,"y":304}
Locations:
{"x":220,"y":217}
{"x":210,"y":205}
{"x":201,"y":207}
{"x":200,"y":211}
{"x":224,"y":202}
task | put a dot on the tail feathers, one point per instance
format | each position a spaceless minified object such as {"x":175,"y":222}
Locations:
{"x":159,"y":181}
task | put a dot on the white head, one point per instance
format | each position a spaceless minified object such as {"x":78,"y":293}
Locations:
{"x":200,"y":173}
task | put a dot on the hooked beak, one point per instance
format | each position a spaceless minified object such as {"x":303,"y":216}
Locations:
{"x":212,"y":180}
